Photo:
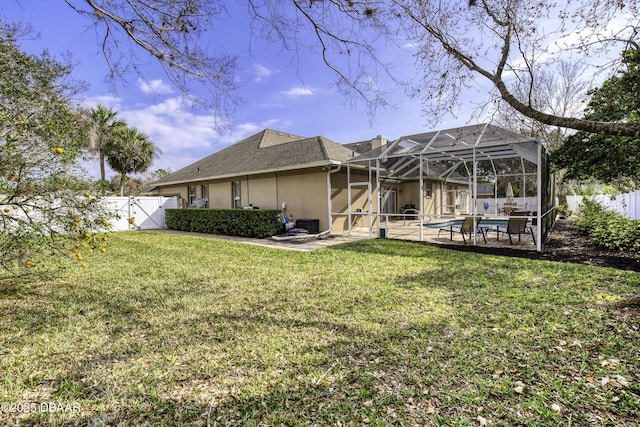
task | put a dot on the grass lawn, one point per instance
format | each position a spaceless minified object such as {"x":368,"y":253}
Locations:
{"x":178,"y":330}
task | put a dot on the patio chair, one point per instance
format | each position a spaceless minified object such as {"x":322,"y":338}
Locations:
{"x":409,"y":212}
{"x":465,"y":228}
{"x":518,"y":224}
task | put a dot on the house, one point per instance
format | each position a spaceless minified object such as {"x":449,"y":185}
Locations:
{"x":271,"y":169}
{"x":363,"y":184}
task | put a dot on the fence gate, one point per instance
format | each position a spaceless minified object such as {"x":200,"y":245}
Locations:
{"x":139,"y":213}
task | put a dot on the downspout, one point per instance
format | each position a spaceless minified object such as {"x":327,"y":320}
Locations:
{"x":248,"y":194}
{"x":329,"y":203}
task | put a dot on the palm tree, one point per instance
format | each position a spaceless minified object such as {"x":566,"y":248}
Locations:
{"x":103,"y":125}
{"x":129,"y":151}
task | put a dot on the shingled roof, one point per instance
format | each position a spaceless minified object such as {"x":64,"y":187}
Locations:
{"x":266,"y":151}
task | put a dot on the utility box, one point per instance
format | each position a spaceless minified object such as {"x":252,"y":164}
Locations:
{"x":310,"y":224}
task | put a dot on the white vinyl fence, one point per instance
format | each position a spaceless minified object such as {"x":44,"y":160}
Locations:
{"x":625,"y":204}
{"x":146,"y":213}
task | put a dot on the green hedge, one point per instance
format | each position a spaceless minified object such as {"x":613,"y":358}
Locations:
{"x":256,"y":223}
{"x":607,"y":228}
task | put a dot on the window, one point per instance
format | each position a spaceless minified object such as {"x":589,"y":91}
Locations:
{"x":191,"y":194}
{"x":204,"y":193}
{"x":428,"y":190}
{"x":235,"y":194}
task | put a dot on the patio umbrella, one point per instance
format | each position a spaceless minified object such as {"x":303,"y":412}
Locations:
{"x":510,"y":199}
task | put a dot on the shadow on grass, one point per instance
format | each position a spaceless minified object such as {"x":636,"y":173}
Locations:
{"x":411,"y":375}
{"x":361,"y":380}
{"x":14,"y":287}
{"x":22,"y":285}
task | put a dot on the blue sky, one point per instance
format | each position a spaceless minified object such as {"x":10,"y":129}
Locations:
{"x":279,"y":91}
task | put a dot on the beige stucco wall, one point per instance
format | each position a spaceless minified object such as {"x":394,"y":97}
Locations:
{"x":220,"y":194}
{"x":359,"y":199}
{"x":260,"y":191}
{"x":303,"y":191}
{"x":305,"y":194}
{"x":175,"y":190}
{"x":410,"y":194}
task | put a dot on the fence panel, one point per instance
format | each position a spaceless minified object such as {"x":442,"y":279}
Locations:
{"x":625,"y":204}
{"x":146,"y":213}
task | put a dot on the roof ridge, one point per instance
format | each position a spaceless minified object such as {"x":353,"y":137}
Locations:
{"x":323,"y":147}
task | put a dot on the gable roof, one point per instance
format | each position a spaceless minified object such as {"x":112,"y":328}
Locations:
{"x":266,"y":151}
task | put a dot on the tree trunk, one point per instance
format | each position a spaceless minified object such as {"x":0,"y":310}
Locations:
{"x":102,"y":172}
{"x":123,"y":182}
{"x":561,"y":189}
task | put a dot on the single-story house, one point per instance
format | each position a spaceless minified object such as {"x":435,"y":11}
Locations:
{"x":357,"y":184}
{"x":271,"y":170}
{"x":302,"y":176}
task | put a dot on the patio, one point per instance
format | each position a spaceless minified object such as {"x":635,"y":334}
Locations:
{"x":410,"y":230}
{"x":481,"y":171}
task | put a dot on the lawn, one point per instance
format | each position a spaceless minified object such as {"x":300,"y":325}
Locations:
{"x":177,"y":330}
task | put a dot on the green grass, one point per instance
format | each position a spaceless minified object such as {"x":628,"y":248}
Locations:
{"x":177,"y":330}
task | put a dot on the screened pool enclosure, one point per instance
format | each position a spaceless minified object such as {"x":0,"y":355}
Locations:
{"x":419,"y":181}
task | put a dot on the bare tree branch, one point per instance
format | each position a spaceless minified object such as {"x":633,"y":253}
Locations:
{"x":458,"y":44}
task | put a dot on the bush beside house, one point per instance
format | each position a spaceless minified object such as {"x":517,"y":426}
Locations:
{"x":255,"y":223}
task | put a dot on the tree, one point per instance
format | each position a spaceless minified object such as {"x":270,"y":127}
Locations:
{"x":560,"y":91}
{"x":129,"y":152}
{"x":45,"y":206}
{"x":104,"y":123}
{"x":130,"y":186}
{"x":608,"y":158}
{"x":457,"y":42}
{"x":158,"y":174}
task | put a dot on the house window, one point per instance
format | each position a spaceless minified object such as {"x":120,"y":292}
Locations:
{"x":191,"y":190}
{"x":235,"y":194}
{"x":204,"y":193}
{"x":428,"y":190}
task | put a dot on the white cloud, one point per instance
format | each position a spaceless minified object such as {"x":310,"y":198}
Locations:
{"x":299,"y":91}
{"x":171,"y":128}
{"x":243,"y":130}
{"x":154,"y":87}
{"x":109,"y":101}
{"x":262,"y":72}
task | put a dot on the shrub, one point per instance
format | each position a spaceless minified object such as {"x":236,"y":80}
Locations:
{"x":608,"y":229}
{"x":255,"y":223}
{"x":45,"y":208}
{"x":564,"y":211}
